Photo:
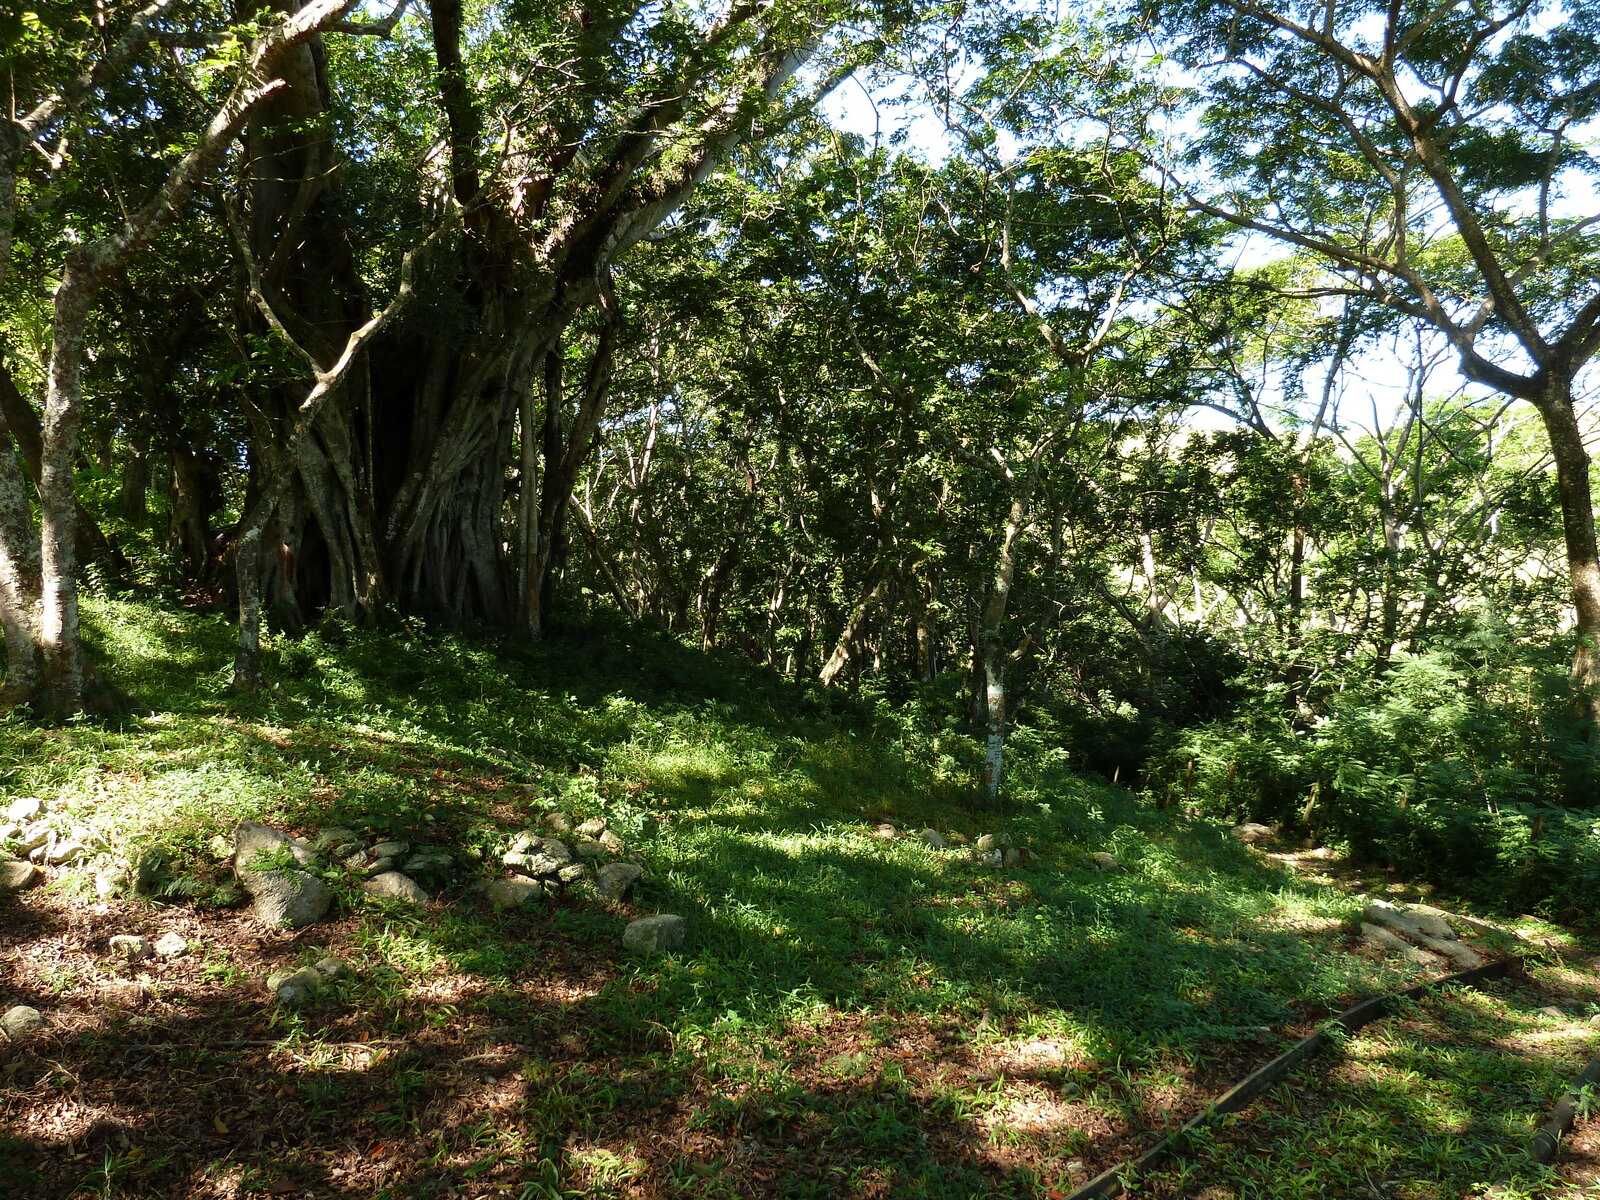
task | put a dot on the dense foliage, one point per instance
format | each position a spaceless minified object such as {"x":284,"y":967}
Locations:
{"x":492,"y":314}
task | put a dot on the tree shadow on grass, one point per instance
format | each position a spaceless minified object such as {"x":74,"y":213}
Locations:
{"x":529,"y":1086}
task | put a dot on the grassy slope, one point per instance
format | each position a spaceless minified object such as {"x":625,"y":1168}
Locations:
{"x":850,"y":1016}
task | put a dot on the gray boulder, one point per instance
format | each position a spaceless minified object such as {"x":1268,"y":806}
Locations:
{"x":16,"y":876}
{"x":591,"y":828}
{"x":255,"y":844}
{"x":391,"y":849}
{"x":651,"y":935}
{"x":24,"y":808}
{"x":293,"y":989}
{"x":1250,"y":832}
{"x":1104,"y":861}
{"x":288,"y":897}
{"x":544,"y":856}
{"x":1393,"y":944}
{"x":933,"y":839}
{"x":990,"y":842}
{"x":612,"y":843}
{"x":508,"y":893}
{"x":392,"y":885}
{"x":21,"y":1021}
{"x":615,"y":880}
{"x":885,"y":831}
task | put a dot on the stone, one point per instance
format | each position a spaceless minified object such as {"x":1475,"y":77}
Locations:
{"x":885,"y":831}
{"x":170,"y":945}
{"x":130,"y":946}
{"x":433,"y":861}
{"x":508,"y":893}
{"x":1595,"y":1020}
{"x":650,"y":935}
{"x":16,"y":876}
{"x":933,"y":839}
{"x":1392,"y":943}
{"x":305,"y":854}
{"x":615,"y":880}
{"x":292,"y":989}
{"x":221,"y":847}
{"x":20,"y":1021}
{"x":334,"y":838}
{"x":380,"y":866}
{"x":392,"y":885}
{"x":1251,"y":832}
{"x":588,"y":851}
{"x":523,"y":842}
{"x":959,"y":839}
{"x":612,"y":843}
{"x":1104,"y":861}
{"x":545,"y":857}
{"x":591,"y":828}
{"x":113,"y":881}
{"x":253,"y":843}
{"x":572,"y":872}
{"x":24,"y":809}
{"x":286,"y":898}
{"x":356,"y":861}
{"x":147,"y":866}
{"x":990,"y":842}
{"x":557,"y":822}
{"x":1010,"y":857}
{"x":9,"y":832}
{"x":1550,"y":1010}
{"x":1415,"y":926}
{"x":34,"y":837}
{"x":334,"y":967}
{"x":391,"y":849}
{"x":65,"y":853}
{"x":1409,"y":920}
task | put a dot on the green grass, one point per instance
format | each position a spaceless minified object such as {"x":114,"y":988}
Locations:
{"x":1431,"y":1104}
{"x":827,"y":973}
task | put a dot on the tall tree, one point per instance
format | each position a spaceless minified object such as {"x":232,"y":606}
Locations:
{"x":1432,"y":156}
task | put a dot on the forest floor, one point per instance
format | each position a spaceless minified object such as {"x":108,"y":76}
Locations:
{"x":850,"y":1016}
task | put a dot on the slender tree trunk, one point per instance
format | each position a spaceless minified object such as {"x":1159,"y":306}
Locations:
{"x":853,"y":627}
{"x":1583,"y":561}
{"x":19,"y":581}
{"x":993,"y":654}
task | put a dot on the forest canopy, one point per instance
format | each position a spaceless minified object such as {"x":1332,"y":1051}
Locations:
{"x":1200,"y":392}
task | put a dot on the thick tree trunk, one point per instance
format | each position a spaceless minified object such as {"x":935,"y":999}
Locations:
{"x":60,"y":640}
{"x":1583,"y":561}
